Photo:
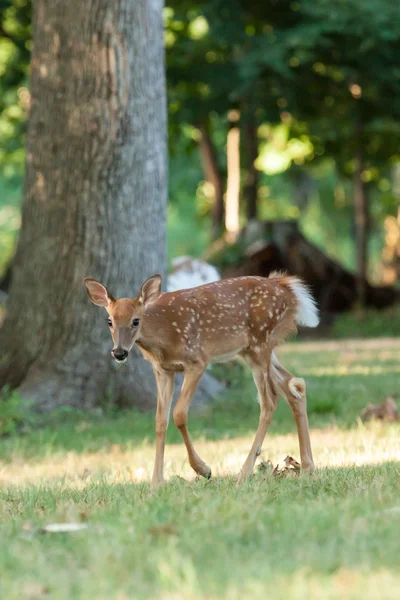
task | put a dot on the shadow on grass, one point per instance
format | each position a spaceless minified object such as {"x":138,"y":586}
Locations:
{"x":374,"y":479}
{"x":331,"y":401}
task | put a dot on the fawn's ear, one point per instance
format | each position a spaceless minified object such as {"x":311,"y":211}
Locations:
{"x":150,"y":290}
{"x":97,"y":293}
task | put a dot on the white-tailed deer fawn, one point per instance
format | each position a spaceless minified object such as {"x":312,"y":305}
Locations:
{"x":188,"y":329}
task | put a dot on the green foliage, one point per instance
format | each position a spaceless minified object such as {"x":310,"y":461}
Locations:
{"x":317,"y":72}
{"x":347,"y":42}
{"x":229,"y":255}
{"x":312,"y":61}
{"x":188,"y":230}
{"x":292,"y":67}
{"x":10,"y":198}
{"x":14,"y":412}
{"x":15,"y":47}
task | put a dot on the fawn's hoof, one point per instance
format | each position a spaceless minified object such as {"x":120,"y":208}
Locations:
{"x":201,"y":468}
{"x":308,"y":469}
{"x":157,"y":483}
{"x":206,"y":472}
{"x":242,"y":477}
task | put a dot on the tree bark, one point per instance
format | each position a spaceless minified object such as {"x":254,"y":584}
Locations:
{"x":95,"y":198}
{"x":251,"y":187}
{"x":362,"y":229}
{"x":214,"y":176}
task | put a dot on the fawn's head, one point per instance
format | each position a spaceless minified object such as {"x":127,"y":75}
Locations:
{"x":124,"y":315}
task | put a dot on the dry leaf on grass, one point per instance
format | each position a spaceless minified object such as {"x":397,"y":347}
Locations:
{"x":163,"y":529}
{"x":63,"y":527}
{"x":33,"y":591}
{"x":265,"y":467}
{"x":290,"y":467}
{"x":387,"y":411}
{"x":86,"y":473}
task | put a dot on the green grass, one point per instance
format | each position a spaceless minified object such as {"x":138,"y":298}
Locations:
{"x":333,"y":535}
{"x":369,"y":323}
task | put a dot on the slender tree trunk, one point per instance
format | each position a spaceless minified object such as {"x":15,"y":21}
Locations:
{"x":214,"y":176}
{"x":5,"y":280}
{"x":95,"y":198}
{"x":303,"y":187}
{"x":251,"y":187}
{"x":391,"y":249}
{"x":233,"y":180}
{"x":362,"y":229}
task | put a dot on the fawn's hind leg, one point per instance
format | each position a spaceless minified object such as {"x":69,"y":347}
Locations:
{"x":294,"y":390}
{"x":268,"y":398}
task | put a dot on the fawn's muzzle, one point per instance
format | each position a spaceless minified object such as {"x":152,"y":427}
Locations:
{"x":120,"y":354}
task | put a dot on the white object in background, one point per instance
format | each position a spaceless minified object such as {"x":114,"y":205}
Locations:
{"x":188,"y":272}
{"x":64,"y":527}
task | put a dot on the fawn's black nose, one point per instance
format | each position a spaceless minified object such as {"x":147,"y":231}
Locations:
{"x":120,"y":354}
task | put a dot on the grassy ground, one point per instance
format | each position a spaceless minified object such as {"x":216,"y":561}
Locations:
{"x":369,"y":323}
{"x":334,"y":535}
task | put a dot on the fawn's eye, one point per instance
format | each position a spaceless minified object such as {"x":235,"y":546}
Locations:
{"x":109,"y":322}
{"x":135,"y":322}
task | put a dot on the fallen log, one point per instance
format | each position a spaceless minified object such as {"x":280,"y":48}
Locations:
{"x":280,"y":246}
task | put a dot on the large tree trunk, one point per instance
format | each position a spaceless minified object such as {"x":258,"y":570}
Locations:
{"x":213,"y":175}
{"x":95,"y":198}
{"x":362,"y":229}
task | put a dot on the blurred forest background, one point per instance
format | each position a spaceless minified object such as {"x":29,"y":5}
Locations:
{"x":313,"y":90}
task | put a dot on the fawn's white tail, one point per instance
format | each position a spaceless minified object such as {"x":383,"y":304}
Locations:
{"x":307,"y":312}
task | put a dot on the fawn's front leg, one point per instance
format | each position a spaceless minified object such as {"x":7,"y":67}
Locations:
{"x":190,"y":383}
{"x":165,"y":388}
